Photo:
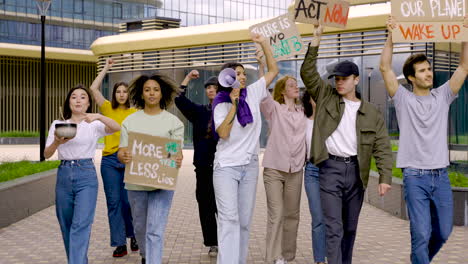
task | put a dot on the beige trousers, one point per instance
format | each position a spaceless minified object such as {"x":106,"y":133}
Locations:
{"x":283,"y":193}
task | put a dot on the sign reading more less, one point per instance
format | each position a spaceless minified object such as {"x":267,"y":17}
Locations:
{"x":333,"y":13}
{"x":429,"y":20}
{"x":282,"y":35}
{"x":153,"y":161}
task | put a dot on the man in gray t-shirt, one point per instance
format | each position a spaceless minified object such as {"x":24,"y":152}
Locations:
{"x":423,"y":152}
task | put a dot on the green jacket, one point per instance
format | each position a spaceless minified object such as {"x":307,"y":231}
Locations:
{"x":372,"y":136}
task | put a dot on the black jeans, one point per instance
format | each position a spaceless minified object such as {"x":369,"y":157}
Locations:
{"x":206,"y":205}
{"x":341,"y":194}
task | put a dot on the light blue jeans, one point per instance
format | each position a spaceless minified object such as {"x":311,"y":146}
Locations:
{"x":118,"y":208}
{"x":312,"y":188}
{"x":75,"y":204}
{"x":429,"y":200}
{"x":235,"y":189}
{"x":150,"y":210}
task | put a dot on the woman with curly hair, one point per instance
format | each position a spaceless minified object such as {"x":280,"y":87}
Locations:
{"x":150,"y":207}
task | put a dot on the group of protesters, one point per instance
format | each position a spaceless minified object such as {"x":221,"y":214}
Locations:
{"x":326,"y":139}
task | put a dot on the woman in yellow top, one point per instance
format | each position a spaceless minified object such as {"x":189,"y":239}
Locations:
{"x":112,"y":171}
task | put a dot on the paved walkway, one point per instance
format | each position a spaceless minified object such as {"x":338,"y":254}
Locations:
{"x":382,"y":238}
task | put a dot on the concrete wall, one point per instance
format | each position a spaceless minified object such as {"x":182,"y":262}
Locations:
{"x":25,"y":196}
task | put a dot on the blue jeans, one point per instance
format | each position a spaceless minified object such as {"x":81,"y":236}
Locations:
{"x":118,"y":208}
{"x":235,"y":188}
{"x":75,"y":200}
{"x":429,"y":200}
{"x":150,"y":211}
{"x":312,"y":188}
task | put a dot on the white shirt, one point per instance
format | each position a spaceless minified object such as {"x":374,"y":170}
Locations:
{"x":83,"y":145}
{"x":343,"y":141}
{"x":309,"y":128}
{"x":242,"y":142}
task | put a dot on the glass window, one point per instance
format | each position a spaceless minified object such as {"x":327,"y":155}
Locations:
{"x":117,"y":10}
{"x":78,"y":6}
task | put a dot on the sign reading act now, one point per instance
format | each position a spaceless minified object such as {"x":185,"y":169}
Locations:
{"x":429,"y":20}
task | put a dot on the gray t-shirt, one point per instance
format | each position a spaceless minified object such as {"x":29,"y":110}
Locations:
{"x":423,"y":127}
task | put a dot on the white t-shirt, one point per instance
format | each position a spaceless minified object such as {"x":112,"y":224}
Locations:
{"x":343,"y":141}
{"x":242,"y":142}
{"x":83,"y":145}
{"x":309,"y":128}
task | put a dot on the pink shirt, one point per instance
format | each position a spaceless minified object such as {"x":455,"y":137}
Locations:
{"x":286,"y":147}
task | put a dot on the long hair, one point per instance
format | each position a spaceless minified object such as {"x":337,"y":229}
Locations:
{"x":114,"y":102}
{"x":169,"y":90}
{"x":232,"y":65}
{"x":308,"y":109}
{"x":280,"y":87}
{"x":67,"y":112}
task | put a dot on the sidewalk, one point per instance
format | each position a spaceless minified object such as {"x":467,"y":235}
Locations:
{"x":381,"y":239}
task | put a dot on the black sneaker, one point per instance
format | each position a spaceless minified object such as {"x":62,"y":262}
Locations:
{"x":133,"y":244}
{"x":213,"y":252}
{"x":143,"y":261}
{"x":120,"y":251}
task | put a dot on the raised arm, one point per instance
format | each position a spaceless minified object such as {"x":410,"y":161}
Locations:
{"x":111,"y":126}
{"x":185,"y":106}
{"x":96,"y":85}
{"x":309,"y":73}
{"x":389,"y":77}
{"x":261,"y":65}
{"x":459,"y":76}
{"x":272,"y":66}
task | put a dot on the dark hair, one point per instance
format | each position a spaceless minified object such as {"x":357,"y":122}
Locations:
{"x":232,"y":65}
{"x":67,"y":112}
{"x":169,"y":90}
{"x":408,"y":67}
{"x":308,"y":109}
{"x":114,"y":102}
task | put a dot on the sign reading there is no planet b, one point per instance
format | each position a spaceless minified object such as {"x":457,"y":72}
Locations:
{"x":429,"y":20}
{"x":333,"y":13}
{"x":282,"y":36}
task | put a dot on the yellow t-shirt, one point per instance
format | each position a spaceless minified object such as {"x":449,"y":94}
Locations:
{"x":111,"y":142}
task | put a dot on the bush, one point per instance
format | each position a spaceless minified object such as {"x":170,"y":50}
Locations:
{"x":16,"y":133}
{"x":13,"y":170}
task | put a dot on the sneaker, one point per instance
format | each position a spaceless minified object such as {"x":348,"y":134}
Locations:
{"x":143,"y":261}
{"x":280,"y":261}
{"x":133,"y":244}
{"x":213,"y":252}
{"x":120,"y":251}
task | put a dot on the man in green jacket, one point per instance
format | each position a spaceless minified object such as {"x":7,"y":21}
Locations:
{"x":347,"y":132}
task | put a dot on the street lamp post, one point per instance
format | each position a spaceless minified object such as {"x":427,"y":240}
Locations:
{"x":369,"y":74}
{"x":43,"y":6}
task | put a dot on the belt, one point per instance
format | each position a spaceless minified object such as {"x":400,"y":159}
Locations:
{"x":77,"y":162}
{"x":343,"y":159}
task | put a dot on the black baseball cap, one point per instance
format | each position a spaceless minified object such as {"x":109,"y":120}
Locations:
{"x":213,"y":80}
{"x":345,"y":69}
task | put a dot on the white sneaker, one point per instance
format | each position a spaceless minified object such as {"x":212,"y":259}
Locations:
{"x":280,"y":261}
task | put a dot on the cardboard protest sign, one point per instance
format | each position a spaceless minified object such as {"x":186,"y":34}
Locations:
{"x":333,"y":13}
{"x":153,"y":161}
{"x":429,"y":20}
{"x":282,"y":35}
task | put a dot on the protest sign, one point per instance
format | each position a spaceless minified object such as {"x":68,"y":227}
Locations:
{"x":282,"y":36}
{"x":333,"y":13}
{"x":429,"y":20}
{"x":153,"y":161}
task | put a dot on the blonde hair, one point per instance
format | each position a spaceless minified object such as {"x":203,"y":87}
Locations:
{"x":280,"y":86}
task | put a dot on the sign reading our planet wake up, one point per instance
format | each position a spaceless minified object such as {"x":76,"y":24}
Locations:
{"x":153,"y":161}
{"x":429,"y":20}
